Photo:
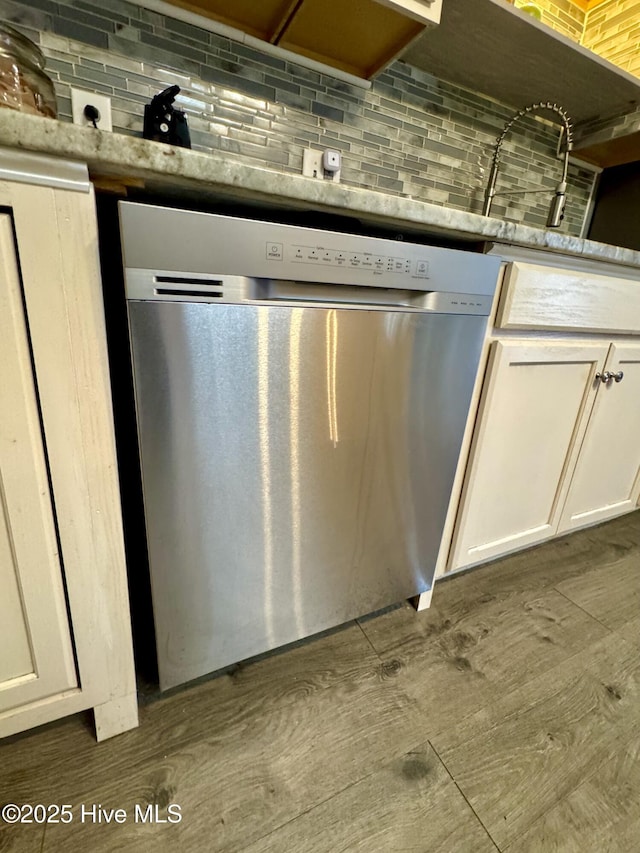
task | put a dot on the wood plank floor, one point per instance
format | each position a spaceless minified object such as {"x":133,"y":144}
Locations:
{"x":507,"y":717}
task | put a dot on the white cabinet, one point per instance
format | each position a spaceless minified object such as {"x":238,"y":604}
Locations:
{"x":606,"y":481}
{"x":36,"y":657}
{"x":554,"y":447}
{"x":533,"y":413}
{"x":65,"y":631}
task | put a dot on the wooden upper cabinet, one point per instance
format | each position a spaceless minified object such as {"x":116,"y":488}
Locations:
{"x":262,"y":20}
{"x":588,"y":5}
{"x":36,"y":657}
{"x":360,"y":37}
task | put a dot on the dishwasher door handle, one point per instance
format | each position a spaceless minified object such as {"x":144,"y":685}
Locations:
{"x":340,"y":295}
{"x":170,"y":286}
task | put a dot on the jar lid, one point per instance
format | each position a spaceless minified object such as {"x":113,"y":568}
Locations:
{"x":14,"y":43}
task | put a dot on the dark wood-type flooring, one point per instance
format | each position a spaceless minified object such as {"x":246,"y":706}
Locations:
{"x":506,"y":718}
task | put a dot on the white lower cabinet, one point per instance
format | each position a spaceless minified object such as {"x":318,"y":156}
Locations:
{"x":533,"y":415}
{"x":549,"y":446}
{"x":65,"y":632}
{"x":36,"y":657}
{"x":556,"y":439}
{"x":606,"y":479}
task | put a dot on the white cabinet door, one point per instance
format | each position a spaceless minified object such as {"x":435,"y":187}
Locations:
{"x":36,"y":657}
{"x":606,"y":479}
{"x":534,"y":409}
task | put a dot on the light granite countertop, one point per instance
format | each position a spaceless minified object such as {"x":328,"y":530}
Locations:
{"x":141,"y":162}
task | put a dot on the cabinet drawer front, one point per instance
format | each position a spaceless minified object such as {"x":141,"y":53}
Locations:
{"x":539,"y":297}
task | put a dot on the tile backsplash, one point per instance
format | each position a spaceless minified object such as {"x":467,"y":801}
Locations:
{"x":610,"y":28}
{"x":613,"y":31}
{"x":565,"y":16}
{"x":410,"y":134}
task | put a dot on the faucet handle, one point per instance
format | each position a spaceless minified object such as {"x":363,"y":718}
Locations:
{"x":556,"y":211}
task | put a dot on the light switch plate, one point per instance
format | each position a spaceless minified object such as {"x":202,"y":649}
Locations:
{"x":81,"y":98}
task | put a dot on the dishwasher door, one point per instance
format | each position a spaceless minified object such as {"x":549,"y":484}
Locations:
{"x":297,"y":465}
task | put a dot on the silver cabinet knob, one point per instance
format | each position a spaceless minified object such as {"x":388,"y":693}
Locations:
{"x":607,"y":376}
{"x":604,"y":377}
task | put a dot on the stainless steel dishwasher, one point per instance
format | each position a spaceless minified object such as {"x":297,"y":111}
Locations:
{"x":301,"y":397}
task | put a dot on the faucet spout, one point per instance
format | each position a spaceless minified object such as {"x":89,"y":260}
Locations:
{"x":558,"y":202}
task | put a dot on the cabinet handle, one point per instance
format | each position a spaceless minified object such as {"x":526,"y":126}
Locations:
{"x":604,"y":377}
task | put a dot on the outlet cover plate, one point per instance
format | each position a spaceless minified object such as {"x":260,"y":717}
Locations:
{"x":81,"y":98}
{"x":312,"y":166}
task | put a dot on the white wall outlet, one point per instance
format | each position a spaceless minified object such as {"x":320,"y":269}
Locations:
{"x":313,"y":165}
{"x":81,"y":99}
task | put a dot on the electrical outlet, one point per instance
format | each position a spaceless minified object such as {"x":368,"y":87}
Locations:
{"x":312,"y":163}
{"x":312,"y":166}
{"x":81,"y":99}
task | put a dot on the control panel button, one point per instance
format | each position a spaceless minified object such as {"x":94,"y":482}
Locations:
{"x":274,"y":251}
{"x":365,"y":262}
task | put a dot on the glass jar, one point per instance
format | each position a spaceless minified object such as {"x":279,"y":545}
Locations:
{"x":24,"y":85}
{"x":530,"y":9}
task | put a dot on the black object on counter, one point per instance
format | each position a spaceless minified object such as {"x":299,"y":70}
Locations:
{"x":163,"y":122}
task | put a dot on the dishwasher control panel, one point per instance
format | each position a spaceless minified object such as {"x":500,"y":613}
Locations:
{"x":210,"y":243}
{"x":374,"y":262}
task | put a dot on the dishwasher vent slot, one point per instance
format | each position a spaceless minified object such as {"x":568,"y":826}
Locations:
{"x":176,"y":279}
{"x":184,"y":286}
{"x":168,"y":291}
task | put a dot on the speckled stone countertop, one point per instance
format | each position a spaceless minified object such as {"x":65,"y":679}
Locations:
{"x":136,"y":160}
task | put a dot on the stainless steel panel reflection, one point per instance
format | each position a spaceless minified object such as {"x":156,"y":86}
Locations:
{"x":233,"y":246}
{"x":297,"y":467}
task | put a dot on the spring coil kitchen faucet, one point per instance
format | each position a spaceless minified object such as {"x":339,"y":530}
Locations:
{"x":556,"y":210}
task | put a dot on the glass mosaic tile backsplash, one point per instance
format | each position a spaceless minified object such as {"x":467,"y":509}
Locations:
{"x":410,"y":134}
